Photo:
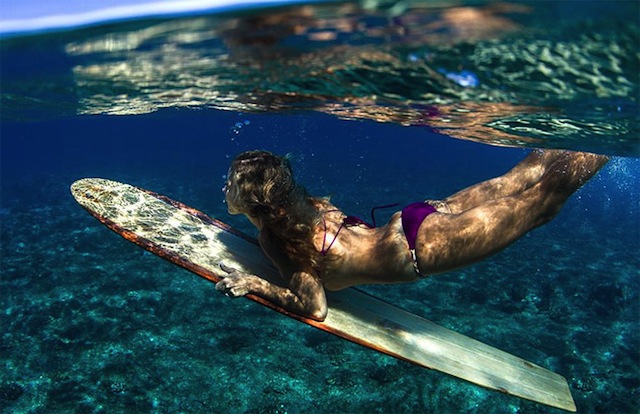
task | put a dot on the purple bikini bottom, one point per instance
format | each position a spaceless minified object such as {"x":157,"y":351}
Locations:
{"x":412,"y":217}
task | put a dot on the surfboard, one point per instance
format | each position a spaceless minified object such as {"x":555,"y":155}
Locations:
{"x":197,"y":242}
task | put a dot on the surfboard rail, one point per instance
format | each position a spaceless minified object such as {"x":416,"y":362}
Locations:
{"x":197,"y":242}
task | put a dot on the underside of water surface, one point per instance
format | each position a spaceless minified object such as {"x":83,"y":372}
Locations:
{"x":535,"y":74}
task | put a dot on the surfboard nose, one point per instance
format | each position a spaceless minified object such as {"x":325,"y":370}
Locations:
{"x":84,"y":189}
{"x":87,"y":191}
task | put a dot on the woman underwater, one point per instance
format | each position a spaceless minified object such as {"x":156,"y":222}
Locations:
{"x":315,"y":246}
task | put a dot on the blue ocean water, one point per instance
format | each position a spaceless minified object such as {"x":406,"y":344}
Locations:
{"x":370,"y":115}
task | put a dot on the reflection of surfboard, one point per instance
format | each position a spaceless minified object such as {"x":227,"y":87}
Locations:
{"x":199,"y":243}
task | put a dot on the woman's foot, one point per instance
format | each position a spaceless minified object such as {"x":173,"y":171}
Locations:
{"x":571,"y":171}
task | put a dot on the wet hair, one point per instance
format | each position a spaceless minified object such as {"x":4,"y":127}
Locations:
{"x":264,"y":187}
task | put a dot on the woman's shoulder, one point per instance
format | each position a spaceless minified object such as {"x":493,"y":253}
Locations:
{"x":323,"y":204}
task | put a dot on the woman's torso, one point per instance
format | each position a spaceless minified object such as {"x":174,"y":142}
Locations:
{"x":360,"y":254}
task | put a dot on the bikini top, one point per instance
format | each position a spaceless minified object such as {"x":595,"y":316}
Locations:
{"x":349,"y":221}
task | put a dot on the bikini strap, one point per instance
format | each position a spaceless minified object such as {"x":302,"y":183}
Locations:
{"x":373,"y":210}
{"x":348,"y":220}
{"x":414,"y":261}
{"x":324,"y":251}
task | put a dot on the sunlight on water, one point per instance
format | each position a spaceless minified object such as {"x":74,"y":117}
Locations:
{"x":506,"y":74}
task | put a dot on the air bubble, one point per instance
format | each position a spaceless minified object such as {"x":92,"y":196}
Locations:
{"x":237,"y":127}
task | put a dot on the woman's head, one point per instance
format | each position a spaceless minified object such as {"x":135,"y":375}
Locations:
{"x":261,"y":186}
{"x":259,"y":183}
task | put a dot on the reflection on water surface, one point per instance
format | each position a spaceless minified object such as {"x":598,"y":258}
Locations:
{"x":529,"y":74}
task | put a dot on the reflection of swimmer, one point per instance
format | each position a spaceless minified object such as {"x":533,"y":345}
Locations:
{"x":316,"y":246}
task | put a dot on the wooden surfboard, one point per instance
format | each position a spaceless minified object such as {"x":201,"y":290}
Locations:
{"x":193,"y":240}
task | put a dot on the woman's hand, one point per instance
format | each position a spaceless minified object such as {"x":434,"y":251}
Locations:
{"x":304,"y":295}
{"x":236,"y":283}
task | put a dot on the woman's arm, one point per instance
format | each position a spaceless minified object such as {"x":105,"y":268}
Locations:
{"x":305,"y":295}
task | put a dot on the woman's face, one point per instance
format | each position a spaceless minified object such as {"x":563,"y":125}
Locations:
{"x":230,"y":191}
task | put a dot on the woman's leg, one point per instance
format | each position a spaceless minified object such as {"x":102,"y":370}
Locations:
{"x":448,"y":241}
{"x":524,"y":175}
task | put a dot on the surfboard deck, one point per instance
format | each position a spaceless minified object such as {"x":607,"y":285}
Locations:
{"x":193,"y":240}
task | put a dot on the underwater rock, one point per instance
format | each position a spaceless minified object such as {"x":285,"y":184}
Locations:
{"x":11,"y":391}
